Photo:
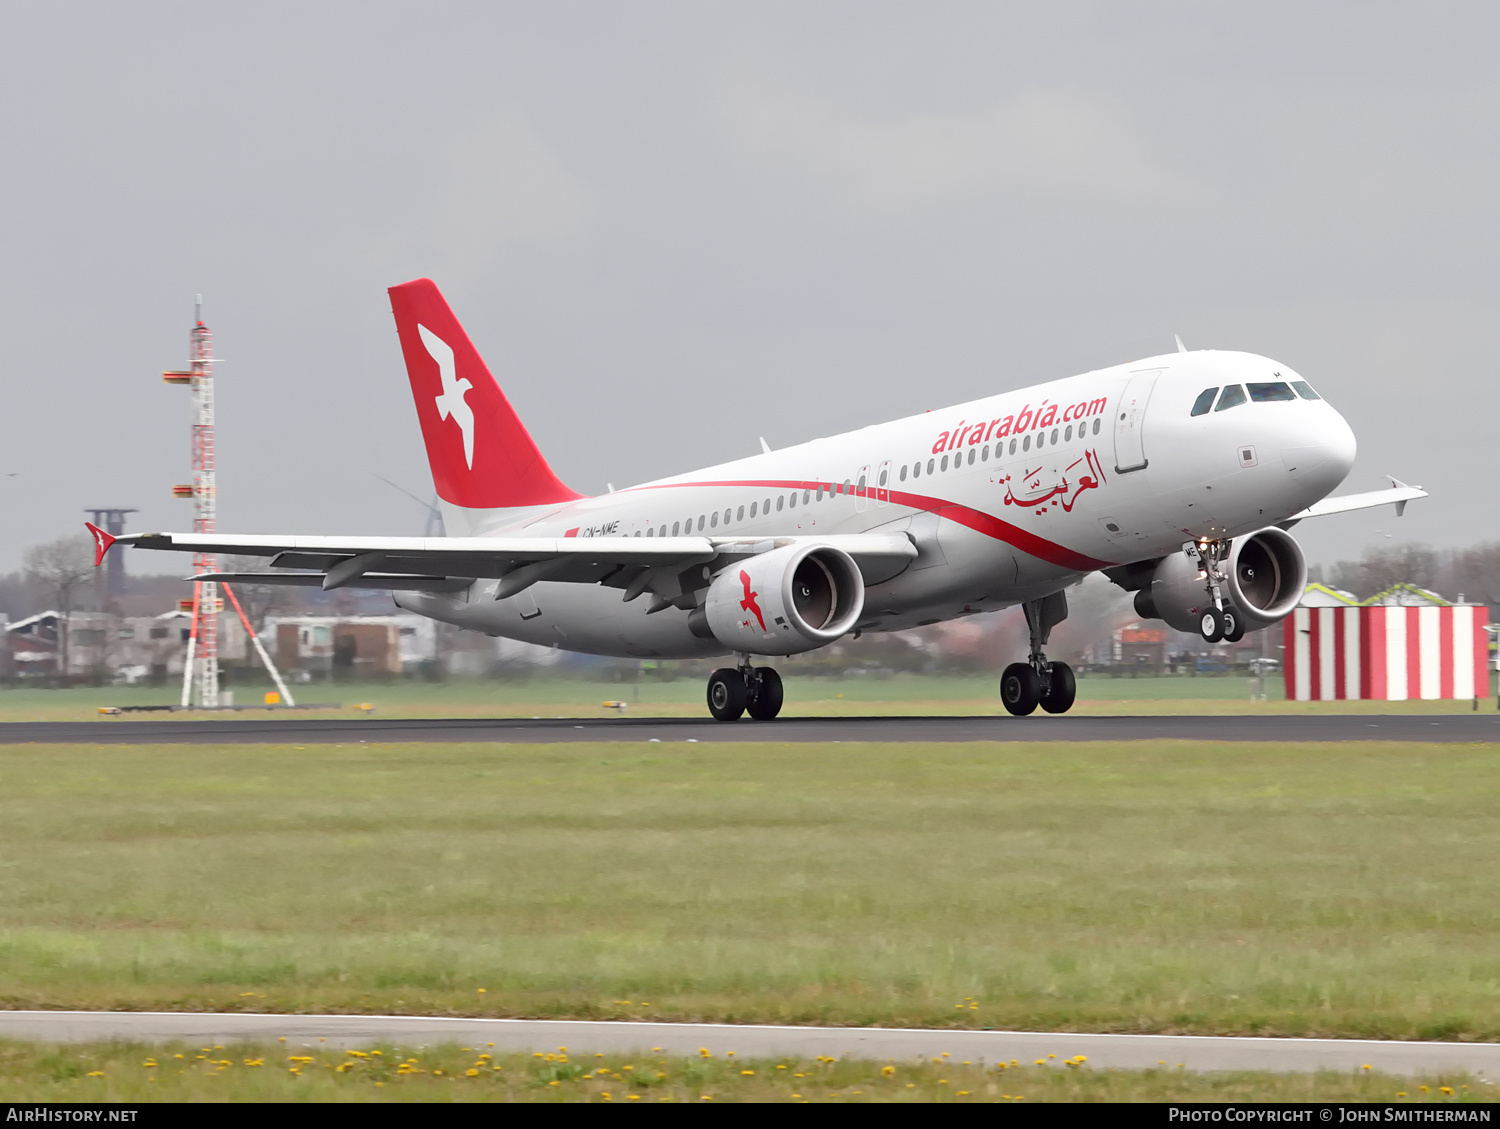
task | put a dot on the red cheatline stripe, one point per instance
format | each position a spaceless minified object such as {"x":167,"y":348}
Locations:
{"x":977,"y":520}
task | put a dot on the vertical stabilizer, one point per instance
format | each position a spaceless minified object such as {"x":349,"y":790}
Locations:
{"x":482,"y":456}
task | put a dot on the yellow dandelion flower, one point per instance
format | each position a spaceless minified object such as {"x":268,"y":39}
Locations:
{"x":747,"y":1072}
{"x":888,"y":1070}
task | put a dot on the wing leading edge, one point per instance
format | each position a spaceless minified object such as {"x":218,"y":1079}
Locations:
{"x":668,"y":567}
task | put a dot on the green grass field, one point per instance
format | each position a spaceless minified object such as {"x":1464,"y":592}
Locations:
{"x":281,"y":1073}
{"x":807,"y":696}
{"x":1343,"y":890}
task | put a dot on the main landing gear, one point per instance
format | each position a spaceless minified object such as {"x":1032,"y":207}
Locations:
{"x":1219,"y":619}
{"x":1037,"y":682}
{"x":734,"y":691}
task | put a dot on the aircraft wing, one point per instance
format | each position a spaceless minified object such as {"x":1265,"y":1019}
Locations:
{"x":666,"y":566}
{"x":1398,"y":492}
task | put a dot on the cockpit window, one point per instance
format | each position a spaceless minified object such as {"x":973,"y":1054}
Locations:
{"x":1305,"y":390}
{"x":1272,"y":390}
{"x":1204,"y":401}
{"x":1232,"y":397}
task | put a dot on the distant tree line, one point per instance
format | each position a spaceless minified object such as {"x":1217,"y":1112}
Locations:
{"x":1473,"y":573}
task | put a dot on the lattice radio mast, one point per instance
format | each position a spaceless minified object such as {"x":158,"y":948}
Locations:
{"x":200,"y":675}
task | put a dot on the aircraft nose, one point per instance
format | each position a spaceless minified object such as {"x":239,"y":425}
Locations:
{"x":1321,"y":453}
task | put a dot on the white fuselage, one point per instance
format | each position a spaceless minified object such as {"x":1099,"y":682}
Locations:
{"x":1007,"y":498}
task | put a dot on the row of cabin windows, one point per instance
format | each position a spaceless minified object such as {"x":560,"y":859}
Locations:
{"x":783,"y":502}
{"x":1058,"y":435}
{"x":789,"y":501}
{"x":1264,"y":393}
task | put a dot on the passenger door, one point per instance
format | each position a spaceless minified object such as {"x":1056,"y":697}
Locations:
{"x":1130,"y":421}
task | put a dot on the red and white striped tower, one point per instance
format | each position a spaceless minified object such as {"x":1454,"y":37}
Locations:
{"x":200,"y":676}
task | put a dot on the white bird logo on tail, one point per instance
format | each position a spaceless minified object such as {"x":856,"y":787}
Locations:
{"x":450,"y":401}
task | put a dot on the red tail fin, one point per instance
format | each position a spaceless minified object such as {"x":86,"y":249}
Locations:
{"x":482,"y":456}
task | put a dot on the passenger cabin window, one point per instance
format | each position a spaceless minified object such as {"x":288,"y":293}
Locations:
{"x":1305,"y":390}
{"x":1232,"y":397}
{"x":1205,"y":401}
{"x":740,"y":514}
{"x":1270,"y":391}
{"x":903,"y":472}
{"x":1096,"y":427}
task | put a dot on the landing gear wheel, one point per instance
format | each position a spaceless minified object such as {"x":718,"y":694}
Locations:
{"x":1234,"y":624}
{"x":1061,"y":689}
{"x":765,"y":699}
{"x":1211,"y":625}
{"x":1020,"y":689}
{"x":727,"y":694}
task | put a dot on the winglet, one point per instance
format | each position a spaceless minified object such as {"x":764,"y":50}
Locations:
{"x":1181,"y":348}
{"x":1397,"y":484}
{"x":102,"y":542}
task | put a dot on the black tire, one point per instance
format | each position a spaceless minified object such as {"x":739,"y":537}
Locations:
{"x":1211,"y":625}
{"x":1062,"y":689}
{"x":1020,"y":689}
{"x":1234,"y":624}
{"x":727,"y":694}
{"x":765,"y":702}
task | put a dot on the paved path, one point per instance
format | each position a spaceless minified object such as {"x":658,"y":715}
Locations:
{"x":1467,"y":727}
{"x":1202,"y":1053}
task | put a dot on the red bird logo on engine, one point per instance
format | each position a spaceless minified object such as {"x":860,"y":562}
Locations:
{"x":748,"y":604}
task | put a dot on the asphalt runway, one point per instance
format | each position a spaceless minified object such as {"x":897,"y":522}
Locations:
{"x":1191,"y":1052}
{"x":1483,"y":726}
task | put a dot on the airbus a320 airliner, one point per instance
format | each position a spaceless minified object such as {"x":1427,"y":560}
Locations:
{"x":1176,"y":476}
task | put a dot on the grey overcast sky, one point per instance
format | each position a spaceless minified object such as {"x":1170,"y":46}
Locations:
{"x":672,"y":228}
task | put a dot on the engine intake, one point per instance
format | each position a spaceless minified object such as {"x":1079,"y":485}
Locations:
{"x":1266,"y":575}
{"x":786,"y":601}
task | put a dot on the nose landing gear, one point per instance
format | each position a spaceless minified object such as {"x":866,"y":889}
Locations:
{"x":1220,"y":620}
{"x":736,"y":691}
{"x":1038,"y":682}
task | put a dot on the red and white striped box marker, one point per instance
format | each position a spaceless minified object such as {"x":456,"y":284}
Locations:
{"x":1386,"y":653}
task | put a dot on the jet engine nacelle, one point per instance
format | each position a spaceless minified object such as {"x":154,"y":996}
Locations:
{"x":1266,"y":576}
{"x":786,"y":601}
